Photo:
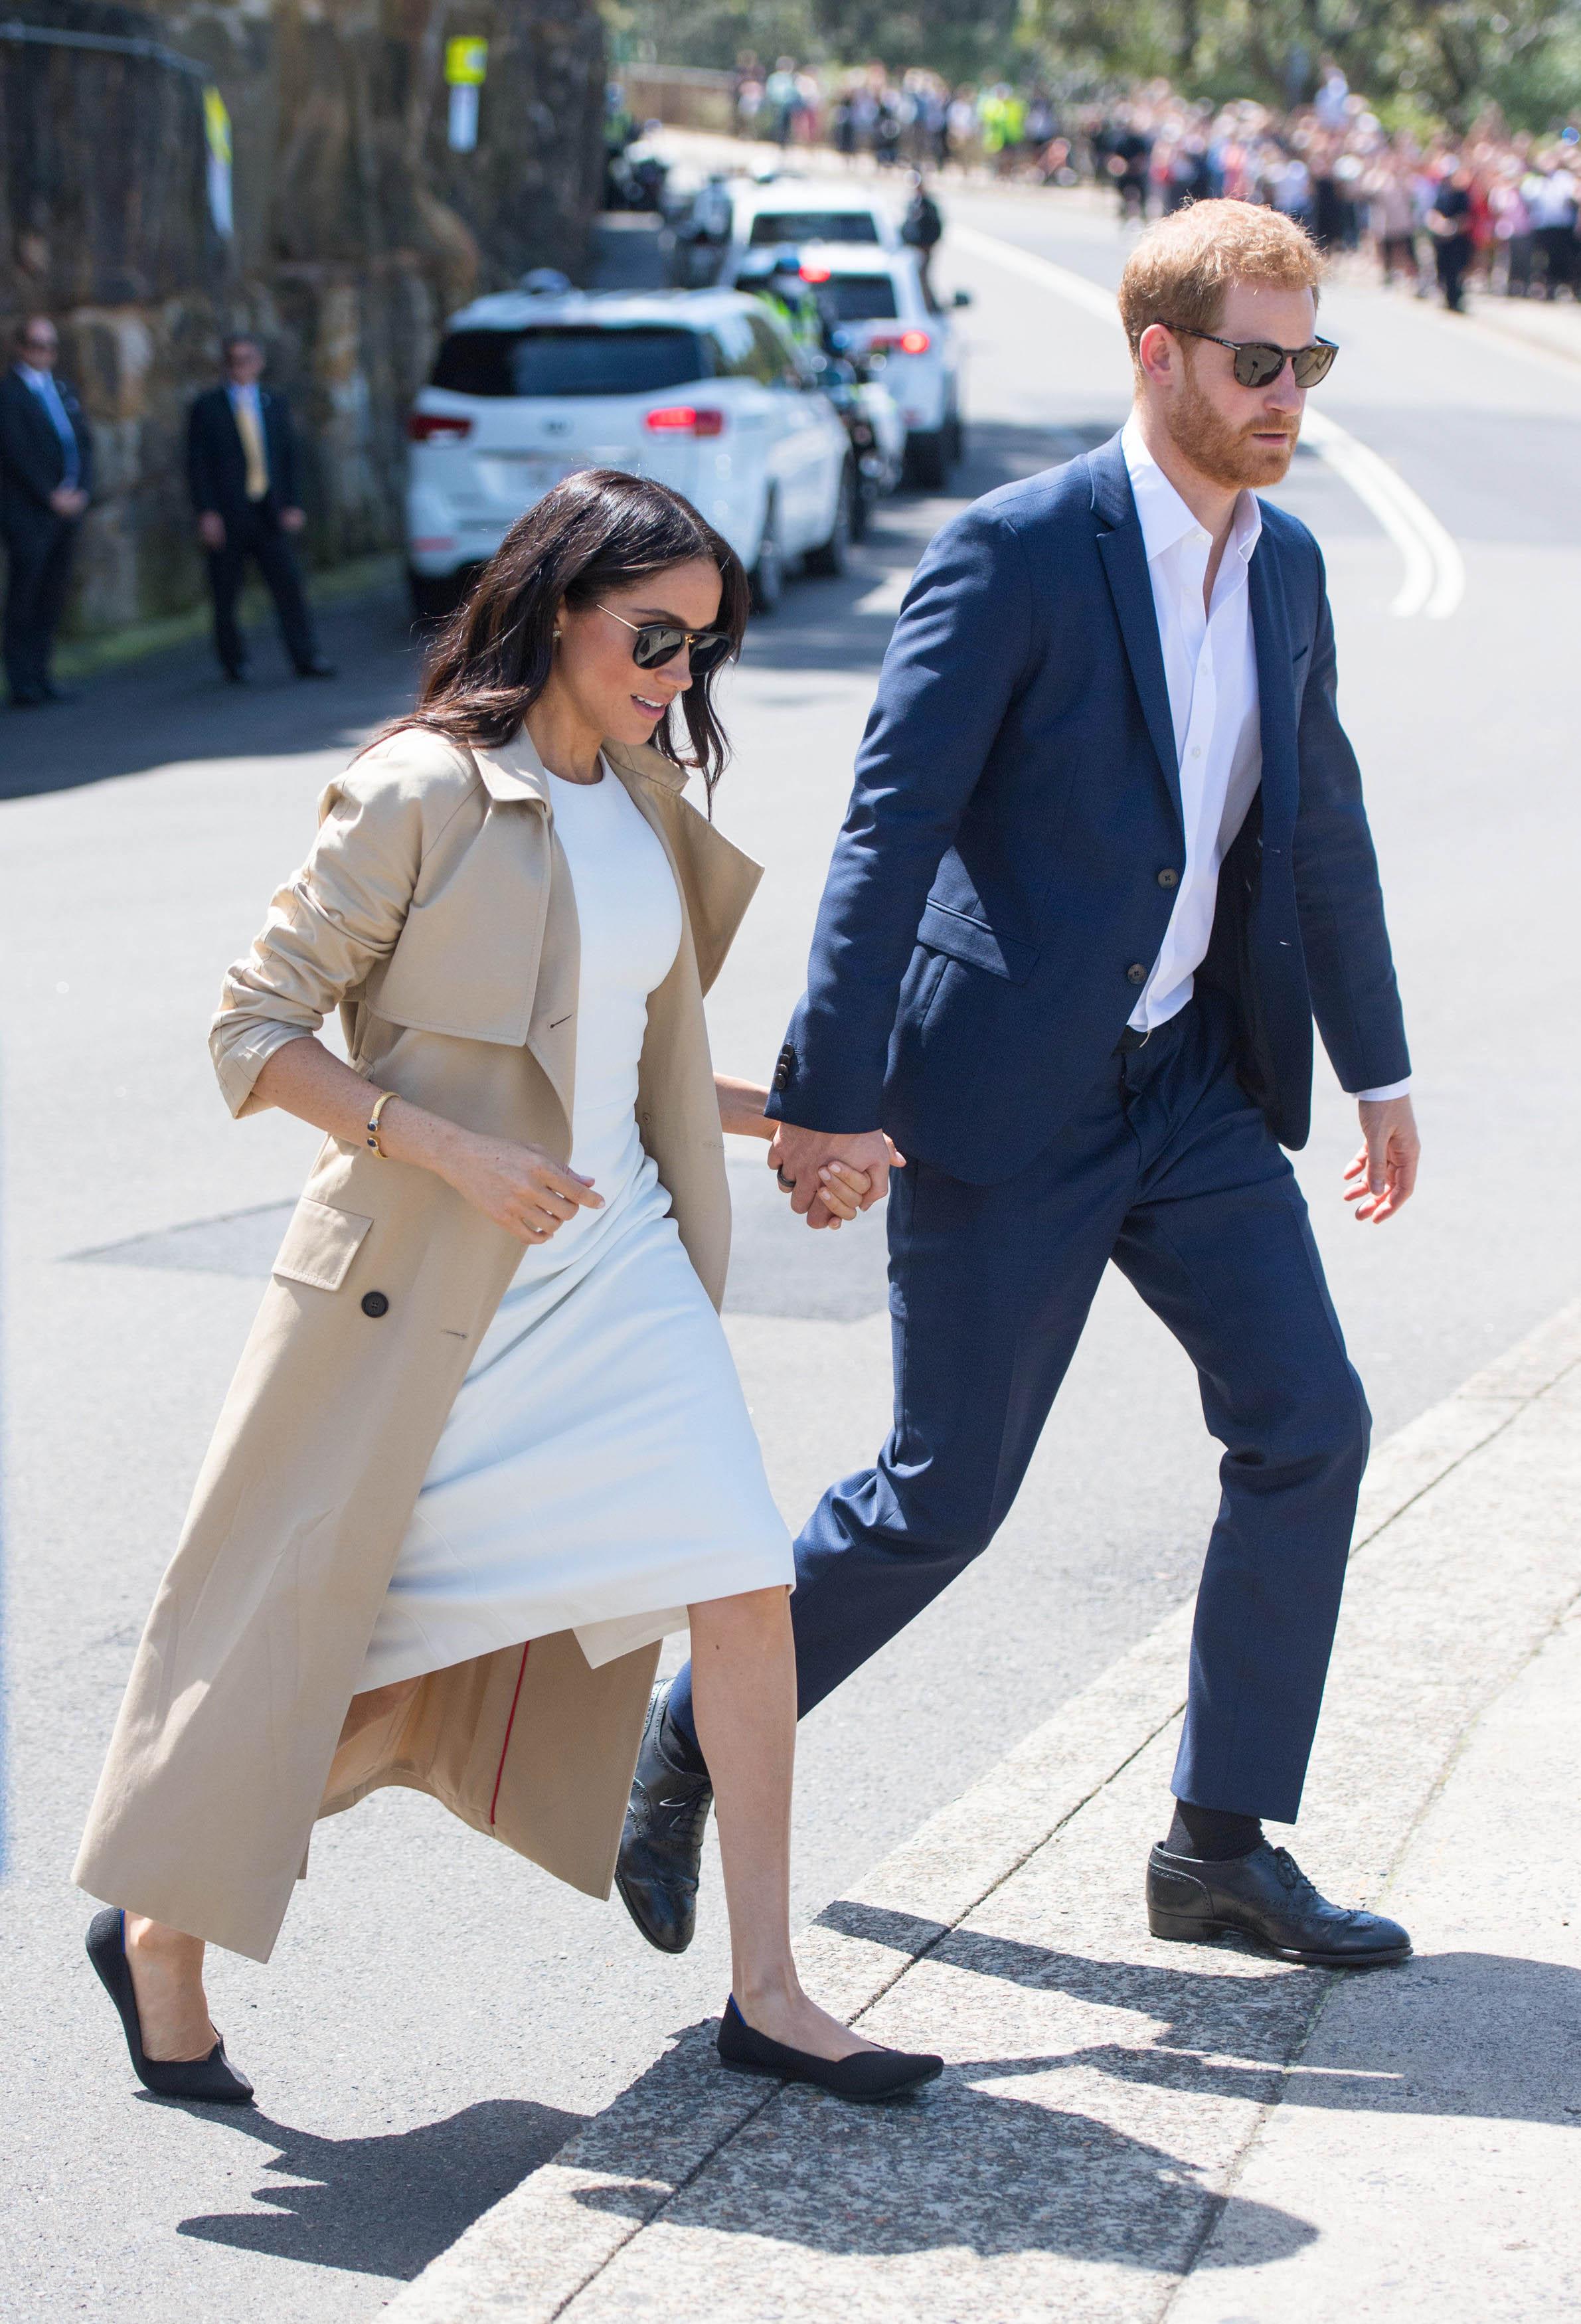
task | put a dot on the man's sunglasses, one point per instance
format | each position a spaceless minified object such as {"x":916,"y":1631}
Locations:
{"x":1258,"y":363}
{"x":653,"y":643}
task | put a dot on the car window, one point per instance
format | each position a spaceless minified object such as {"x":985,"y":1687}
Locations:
{"x":571,"y":359}
{"x":813,"y":225}
{"x":858,"y":298}
{"x":771,"y":359}
{"x":734,"y":348}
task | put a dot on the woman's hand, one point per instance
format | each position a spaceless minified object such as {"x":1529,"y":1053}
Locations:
{"x":843,"y":1190}
{"x":520,"y":1188}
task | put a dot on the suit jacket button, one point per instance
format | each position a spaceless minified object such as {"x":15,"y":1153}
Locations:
{"x":1169,"y":877}
{"x":1136,"y":973}
{"x":374,"y":1302}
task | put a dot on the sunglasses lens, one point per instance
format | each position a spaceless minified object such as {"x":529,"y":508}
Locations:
{"x":651,"y":648}
{"x":1256,"y":365}
{"x":1313,"y":365}
{"x":707,"y":653}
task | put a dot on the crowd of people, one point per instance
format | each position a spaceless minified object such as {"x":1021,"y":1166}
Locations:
{"x":1494,"y":206}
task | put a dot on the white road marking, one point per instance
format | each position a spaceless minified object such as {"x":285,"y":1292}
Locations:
{"x":1434,"y":580}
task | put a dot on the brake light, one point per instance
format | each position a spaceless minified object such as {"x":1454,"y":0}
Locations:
{"x":815,"y":273}
{"x":914,"y":342}
{"x":443,"y":427}
{"x":685,"y":419}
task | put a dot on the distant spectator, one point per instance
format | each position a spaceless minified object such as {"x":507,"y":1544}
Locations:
{"x":1550,"y":198}
{"x":922,"y":230}
{"x":242,"y":468}
{"x":46,"y":473}
{"x":1449,"y":224}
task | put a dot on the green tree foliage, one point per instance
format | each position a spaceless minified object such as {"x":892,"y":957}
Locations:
{"x":1444,"y":58}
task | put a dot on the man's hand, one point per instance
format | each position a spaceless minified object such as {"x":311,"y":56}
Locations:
{"x":799,"y":1155}
{"x":211,"y":529}
{"x":292,"y":520}
{"x":1383,"y":1175}
{"x":67,"y":500}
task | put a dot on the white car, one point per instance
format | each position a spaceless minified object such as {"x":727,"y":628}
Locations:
{"x":794,"y":211}
{"x":700,"y":389}
{"x":875,"y":295}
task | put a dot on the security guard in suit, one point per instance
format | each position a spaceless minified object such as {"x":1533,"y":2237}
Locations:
{"x":241,"y":469}
{"x":46,"y":474}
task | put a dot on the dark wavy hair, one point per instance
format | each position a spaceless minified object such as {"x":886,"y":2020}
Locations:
{"x":597,"y":530}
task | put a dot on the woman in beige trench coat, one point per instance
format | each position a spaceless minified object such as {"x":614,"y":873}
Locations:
{"x":437,"y":912}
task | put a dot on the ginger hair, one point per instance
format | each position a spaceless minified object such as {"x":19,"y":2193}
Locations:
{"x":1182,"y":268}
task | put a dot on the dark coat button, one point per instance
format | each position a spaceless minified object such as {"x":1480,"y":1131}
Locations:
{"x":1169,"y":877}
{"x":374,"y":1302}
{"x":1136,"y":973}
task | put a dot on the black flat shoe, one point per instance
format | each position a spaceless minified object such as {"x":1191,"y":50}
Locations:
{"x":212,"y":2078}
{"x":1267,"y":1897}
{"x":662,"y":1845}
{"x":866,"y":2078}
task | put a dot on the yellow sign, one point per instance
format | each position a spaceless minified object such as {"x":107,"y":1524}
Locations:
{"x":466,"y":62}
{"x":217,"y":125}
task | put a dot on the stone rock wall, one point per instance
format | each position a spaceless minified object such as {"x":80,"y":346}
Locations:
{"x":356,"y":230}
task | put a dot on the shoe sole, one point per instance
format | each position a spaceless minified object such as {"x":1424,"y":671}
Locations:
{"x":846,"y":2097}
{"x":1176,"y":1928}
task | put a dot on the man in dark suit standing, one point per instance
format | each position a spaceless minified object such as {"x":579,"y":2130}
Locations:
{"x":242,"y":468}
{"x":46,"y":473}
{"x":1105,"y":860}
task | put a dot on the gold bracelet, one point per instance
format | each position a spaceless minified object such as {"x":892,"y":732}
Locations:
{"x":380,"y":1102}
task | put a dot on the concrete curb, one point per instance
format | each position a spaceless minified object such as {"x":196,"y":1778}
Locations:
{"x":530,"y":2255}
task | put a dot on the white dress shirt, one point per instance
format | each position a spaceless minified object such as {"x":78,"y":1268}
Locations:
{"x":1210,"y":669}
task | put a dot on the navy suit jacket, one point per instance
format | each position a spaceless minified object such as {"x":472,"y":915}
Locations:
{"x":32,"y":458}
{"x":1003,"y":879}
{"x":217,"y":466}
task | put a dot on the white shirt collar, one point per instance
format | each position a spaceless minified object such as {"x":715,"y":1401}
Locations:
{"x":1164,"y":517}
{"x":39,"y":380}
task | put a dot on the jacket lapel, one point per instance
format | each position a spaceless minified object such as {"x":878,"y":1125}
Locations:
{"x":1276,"y":690}
{"x":1120,"y":545}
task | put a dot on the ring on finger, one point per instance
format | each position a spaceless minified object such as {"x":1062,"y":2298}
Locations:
{"x":787,"y":1186}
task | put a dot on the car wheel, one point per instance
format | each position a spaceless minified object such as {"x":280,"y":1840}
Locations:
{"x":436,"y":595}
{"x":925,"y":459}
{"x":955,"y":437}
{"x":768,"y":575}
{"x":831,"y":556}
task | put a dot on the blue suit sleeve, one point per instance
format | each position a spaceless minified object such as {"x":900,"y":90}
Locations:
{"x":1350,"y":968}
{"x":959,"y":653}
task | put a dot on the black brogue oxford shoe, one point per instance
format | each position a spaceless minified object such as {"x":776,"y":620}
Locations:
{"x":1267,"y":1898}
{"x":662,"y":1845}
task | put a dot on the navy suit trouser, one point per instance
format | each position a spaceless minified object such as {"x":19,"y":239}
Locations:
{"x":1168,"y":1170}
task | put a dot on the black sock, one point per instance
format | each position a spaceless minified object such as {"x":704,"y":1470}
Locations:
{"x":1213,"y":1835}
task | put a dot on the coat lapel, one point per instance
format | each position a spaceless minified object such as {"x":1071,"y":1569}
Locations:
{"x":1276,"y":690}
{"x":1120,"y":545}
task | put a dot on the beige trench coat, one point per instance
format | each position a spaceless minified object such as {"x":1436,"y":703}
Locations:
{"x":437,"y":912}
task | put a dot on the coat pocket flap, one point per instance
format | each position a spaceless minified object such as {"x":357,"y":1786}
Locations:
{"x":319,"y":1245}
{"x":976,"y":943}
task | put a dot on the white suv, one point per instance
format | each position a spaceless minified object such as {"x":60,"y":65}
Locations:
{"x":700,"y":389}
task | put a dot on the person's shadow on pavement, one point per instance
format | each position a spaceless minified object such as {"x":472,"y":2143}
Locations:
{"x":383,"y":2206}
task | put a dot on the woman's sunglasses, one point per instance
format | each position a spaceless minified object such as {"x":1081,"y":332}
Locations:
{"x":1258,"y":363}
{"x":653,"y":643}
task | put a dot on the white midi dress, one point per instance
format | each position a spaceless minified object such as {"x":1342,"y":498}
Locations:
{"x":599,"y":1471}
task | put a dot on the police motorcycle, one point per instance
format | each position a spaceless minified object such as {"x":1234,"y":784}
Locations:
{"x":851,"y":376}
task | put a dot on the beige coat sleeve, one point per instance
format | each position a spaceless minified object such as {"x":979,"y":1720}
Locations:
{"x":342,"y":913}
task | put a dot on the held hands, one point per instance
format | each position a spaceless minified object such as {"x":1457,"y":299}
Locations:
{"x":520,"y":1188}
{"x":830,"y":1175}
{"x":1383,"y":1175}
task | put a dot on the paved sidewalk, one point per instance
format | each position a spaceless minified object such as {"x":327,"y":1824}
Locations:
{"x":1132,"y":2130}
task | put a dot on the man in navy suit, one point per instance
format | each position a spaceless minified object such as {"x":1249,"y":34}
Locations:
{"x":242,"y":470}
{"x":46,"y":474}
{"x":1105,"y":860}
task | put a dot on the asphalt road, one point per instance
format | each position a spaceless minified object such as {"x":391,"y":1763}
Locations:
{"x":439,"y":2015}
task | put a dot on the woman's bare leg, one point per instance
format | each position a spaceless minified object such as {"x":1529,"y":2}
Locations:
{"x":167,"y":1965}
{"x":743,"y":1698}
{"x":167,"y":1977}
